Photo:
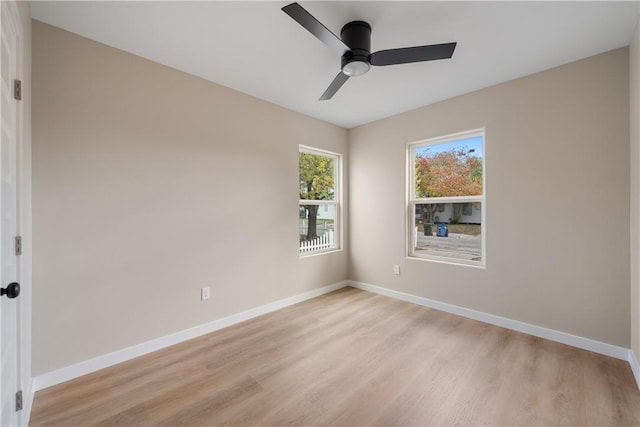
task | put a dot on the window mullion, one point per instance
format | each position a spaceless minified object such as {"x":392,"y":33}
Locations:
{"x":456,"y":199}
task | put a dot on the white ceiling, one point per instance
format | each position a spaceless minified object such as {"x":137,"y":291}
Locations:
{"x":257,"y":49}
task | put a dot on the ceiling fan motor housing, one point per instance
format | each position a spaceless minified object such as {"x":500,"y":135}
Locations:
{"x":356,"y":35}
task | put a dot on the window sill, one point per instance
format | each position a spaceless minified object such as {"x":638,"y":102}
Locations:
{"x":313,"y":254}
{"x":449,"y":261}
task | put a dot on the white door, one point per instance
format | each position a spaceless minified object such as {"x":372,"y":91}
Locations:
{"x":9,"y":307}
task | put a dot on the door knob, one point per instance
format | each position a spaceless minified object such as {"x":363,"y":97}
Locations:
{"x":11,"y":291}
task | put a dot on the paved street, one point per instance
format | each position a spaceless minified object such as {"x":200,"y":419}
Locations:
{"x":459,"y":246}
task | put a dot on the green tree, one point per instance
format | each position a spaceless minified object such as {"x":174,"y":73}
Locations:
{"x":316,"y":183}
{"x":447,"y":174}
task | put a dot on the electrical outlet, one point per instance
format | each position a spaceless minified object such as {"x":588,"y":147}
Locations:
{"x":205,"y":293}
{"x":396,"y":269}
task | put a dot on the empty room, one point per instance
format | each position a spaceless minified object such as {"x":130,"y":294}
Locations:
{"x":325,"y":213}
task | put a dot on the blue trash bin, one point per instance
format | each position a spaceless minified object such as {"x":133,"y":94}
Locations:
{"x":442,"y":231}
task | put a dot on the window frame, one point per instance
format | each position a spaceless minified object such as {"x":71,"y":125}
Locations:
{"x":336,"y":202}
{"x":411,"y":199}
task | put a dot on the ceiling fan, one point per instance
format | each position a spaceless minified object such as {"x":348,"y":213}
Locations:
{"x":354,"y":45}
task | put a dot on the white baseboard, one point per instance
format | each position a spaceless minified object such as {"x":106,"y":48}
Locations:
{"x":635,"y":367}
{"x":538,"y":331}
{"x":70,"y":372}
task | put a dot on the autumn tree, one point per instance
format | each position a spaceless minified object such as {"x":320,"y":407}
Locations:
{"x":316,"y":183}
{"x":447,"y":174}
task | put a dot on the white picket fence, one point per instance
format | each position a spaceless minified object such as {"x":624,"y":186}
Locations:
{"x":322,"y":242}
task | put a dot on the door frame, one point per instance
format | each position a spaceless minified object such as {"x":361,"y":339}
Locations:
{"x":18,"y":13}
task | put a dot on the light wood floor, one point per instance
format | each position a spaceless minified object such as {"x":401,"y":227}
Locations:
{"x":352,"y":358}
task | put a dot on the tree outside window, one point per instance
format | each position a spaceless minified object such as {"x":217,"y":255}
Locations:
{"x":318,"y":179}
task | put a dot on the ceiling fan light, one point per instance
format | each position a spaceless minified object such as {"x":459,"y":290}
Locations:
{"x":355,"y":68}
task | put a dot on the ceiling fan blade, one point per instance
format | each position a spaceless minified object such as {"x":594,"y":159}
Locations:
{"x":336,"y":84}
{"x":407,"y":55}
{"x":304,"y":18}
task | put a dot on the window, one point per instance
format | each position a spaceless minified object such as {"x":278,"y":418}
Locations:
{"x":446,"y":204}
{"x":319,"y":208}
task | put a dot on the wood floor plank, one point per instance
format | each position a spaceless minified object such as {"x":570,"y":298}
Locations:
{"x":352,"y":358}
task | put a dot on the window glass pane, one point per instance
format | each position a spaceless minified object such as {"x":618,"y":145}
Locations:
{"x":317,"y":177}
{"x":449,"y":169}
{"x":453,"y":232}
{"x":317,"y":227}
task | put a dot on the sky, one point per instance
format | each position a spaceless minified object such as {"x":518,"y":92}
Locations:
{"x":474,"y":143}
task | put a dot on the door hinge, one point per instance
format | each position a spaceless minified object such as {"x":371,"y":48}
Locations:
{"x":18,"y":400}
{"x":18,"y":245}
{"x":17,"y":89}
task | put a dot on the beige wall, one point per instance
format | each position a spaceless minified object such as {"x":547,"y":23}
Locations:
{"x":634,"y":98}
{"x":557,"y":200}
{"x":150,"y":184}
